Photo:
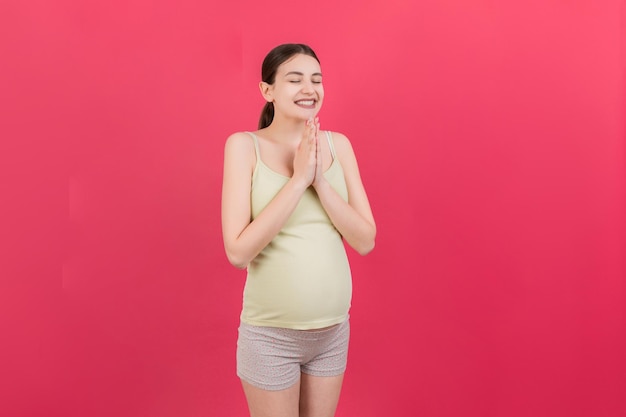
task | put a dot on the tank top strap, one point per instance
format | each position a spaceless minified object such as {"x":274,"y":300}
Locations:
{"x":256,"y":146}
{"x":330,"y":144}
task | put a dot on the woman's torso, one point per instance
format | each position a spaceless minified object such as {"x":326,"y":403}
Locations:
{"x":302,"y":278}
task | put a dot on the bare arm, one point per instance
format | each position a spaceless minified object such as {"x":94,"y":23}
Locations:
{"x":353,"y":219}
{"x":244,"y":239}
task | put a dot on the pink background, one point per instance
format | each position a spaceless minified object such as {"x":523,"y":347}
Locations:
{"x":490,"y":137}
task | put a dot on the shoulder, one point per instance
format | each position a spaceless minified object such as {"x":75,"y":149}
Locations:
{"x":239,"y":143}
{"x":342,"y":144}
{"x":240,"y":139}
{"x":239,"y":149}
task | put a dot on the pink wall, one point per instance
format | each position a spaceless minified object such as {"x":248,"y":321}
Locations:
{"x":491,"y":140}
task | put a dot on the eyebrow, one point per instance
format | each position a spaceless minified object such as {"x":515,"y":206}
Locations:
{"x":301,"y":74}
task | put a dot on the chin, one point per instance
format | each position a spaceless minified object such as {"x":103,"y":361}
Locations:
{"x":310,"y":113}
{"x":304,"y":115}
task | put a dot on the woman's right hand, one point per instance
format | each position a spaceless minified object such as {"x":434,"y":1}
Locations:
{"x":304,"y":161}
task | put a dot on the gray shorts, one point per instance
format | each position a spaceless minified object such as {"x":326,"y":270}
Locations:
{"x":272,"y":358}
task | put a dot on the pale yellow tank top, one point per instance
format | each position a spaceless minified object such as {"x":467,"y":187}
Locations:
{"x":301,"y":279}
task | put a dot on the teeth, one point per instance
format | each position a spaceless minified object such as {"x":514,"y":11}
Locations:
{"x":305,"y":102}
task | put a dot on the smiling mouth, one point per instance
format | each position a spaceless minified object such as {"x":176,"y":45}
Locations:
{"x":309,"y":104}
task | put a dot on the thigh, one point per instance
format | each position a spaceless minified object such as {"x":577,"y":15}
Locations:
{"x":268,"y":358}
{"x":319,"y":395}
{"x":264,"y":403}
{"x":330,"y":352}
{"x":322,"y":376}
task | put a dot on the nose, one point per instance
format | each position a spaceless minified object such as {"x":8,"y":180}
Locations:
{"x":307,"y":87}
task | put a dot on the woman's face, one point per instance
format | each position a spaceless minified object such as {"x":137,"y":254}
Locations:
{"x":297,"y":91}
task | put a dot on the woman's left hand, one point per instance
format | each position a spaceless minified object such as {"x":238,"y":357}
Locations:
{"x":319,"y":170}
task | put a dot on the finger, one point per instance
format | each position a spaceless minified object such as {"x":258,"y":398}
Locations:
{"x":318,"y":160}
{"x":312,"y":130}
{"x":312,"y":143}
{"x":318,"y":150}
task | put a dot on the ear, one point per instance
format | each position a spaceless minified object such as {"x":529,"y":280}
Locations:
{"x":266,"y":91}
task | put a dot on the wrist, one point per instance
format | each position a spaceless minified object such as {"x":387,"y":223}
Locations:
{"x":299,"y":184}
{"x":320,"y":183}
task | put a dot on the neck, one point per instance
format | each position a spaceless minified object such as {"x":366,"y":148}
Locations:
{"x":286,"y":130}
